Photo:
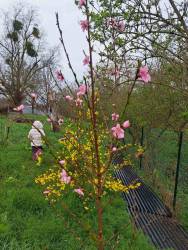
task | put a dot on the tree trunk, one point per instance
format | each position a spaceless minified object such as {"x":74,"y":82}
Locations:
{"x":18,"y":98}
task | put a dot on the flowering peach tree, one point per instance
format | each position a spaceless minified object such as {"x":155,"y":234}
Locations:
{"x":83,"y":164}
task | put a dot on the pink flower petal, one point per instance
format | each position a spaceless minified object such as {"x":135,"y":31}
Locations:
{"x":115,"y":72}
{"x":64,"y":177}
{"x":46,"y":192}
{"x":121,"y":26}
{"x":112,"y":22}
{"x":81,"y":3}
{"x":19,"y":108}
{"x":84,"y":25}
{"x":79,"y":191}
{"x":126,"y":124}
{"x":114,"y":149}
{"x":33,"y":95}
{"x":144,"y":74}
{"x":81,"y":90}
{"x":118,"y":132}
{"x":62,"y":162}
{"x":68,"y":98}
{"x":115,"y":117}
{"x":78,"y":102}
{"x":59,"y":75}
{"x":86,"y":60}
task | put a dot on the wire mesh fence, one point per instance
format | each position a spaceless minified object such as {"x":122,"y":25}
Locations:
{"x":165,"y":164}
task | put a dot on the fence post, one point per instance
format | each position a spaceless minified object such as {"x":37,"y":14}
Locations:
{"x":177,"y":168}
{"x":141,"y":143}
{"x":7,"y":132}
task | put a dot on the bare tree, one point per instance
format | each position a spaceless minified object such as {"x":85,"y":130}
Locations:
{"x":22,"y":53}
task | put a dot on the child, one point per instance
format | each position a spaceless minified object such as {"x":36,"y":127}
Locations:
{"x":35,"y":136}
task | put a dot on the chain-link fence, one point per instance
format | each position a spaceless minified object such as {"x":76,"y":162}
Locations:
{"x":159,"y":165}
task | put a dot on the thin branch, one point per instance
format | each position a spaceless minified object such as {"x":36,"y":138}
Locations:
{"x":65,"y":50}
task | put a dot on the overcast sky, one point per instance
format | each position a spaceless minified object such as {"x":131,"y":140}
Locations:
{"x":70,"y":16}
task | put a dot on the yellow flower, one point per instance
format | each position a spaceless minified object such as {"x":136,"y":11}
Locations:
{"x":39,"y":161}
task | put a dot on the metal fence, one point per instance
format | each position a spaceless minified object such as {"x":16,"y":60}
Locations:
{"x":165,"y":162}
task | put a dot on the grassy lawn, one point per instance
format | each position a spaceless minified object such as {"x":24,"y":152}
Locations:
{"x":28,"y":221}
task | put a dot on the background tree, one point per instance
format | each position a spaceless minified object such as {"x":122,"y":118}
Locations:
{"x":151,"y":32}
{"x":22,"y":53}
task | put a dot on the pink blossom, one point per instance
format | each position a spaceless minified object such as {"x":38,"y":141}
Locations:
{"x":115,"y":72}
{"x":86,"y":60}
{"x":49,"y":120}
{"x":84,"y":25}
{"x":34,"y":96}
{"x":112,"y":22}
{"x":114,"y":149}
{"x":19,"y":108}
{"x":68,"y":98}
{"x":126,"y":124}
{"x":46,"y":192}
{"x":78,"y":102}
{"x":81,"y":3}
{"x":118,"y":132}
{"x":59,"y":75}
{"x":82,"y":90}
{"x":115,"y":117}
{"x":121,"y":26}
{"x":62,"y":162}
{"x":64,"y":177}
{"x":144,"y":74}
{"x":79,"y":191}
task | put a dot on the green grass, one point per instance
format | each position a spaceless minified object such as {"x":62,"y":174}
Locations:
{"x":27,"y":221}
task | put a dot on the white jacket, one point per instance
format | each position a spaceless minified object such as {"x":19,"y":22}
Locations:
{"x":36,"y":133}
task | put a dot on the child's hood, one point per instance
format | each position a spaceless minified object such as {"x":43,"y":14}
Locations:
{"x":37,"y":125}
